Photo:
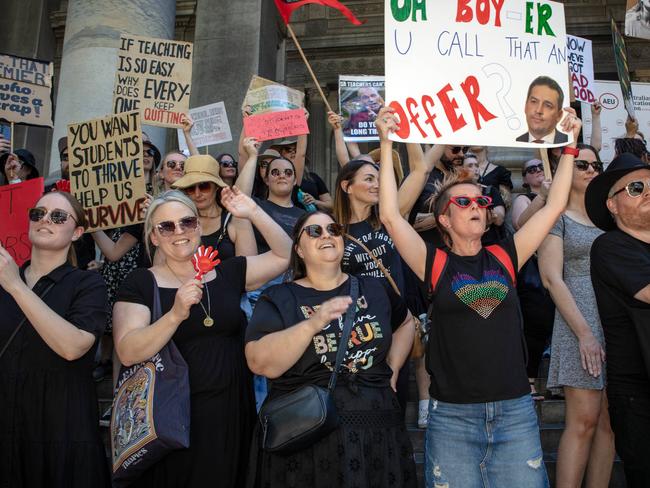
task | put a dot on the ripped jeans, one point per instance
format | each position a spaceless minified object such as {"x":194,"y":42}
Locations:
{"x":484,"y":445}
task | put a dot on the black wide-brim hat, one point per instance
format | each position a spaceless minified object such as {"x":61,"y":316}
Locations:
{"x":599,"y":188}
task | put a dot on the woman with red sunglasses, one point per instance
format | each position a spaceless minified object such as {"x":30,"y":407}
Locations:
{"x":481,"y":399}
{"x":52,"y":317}
{"x":577,"y":365}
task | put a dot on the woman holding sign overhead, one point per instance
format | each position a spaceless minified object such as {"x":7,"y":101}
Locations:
{"x":482,"y":427}
{"x":52,"y":315}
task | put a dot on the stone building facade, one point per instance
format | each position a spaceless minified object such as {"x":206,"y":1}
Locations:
{"x":234,"y":40}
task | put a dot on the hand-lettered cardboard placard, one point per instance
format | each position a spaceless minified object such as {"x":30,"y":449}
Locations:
{"x":210,"y":126}
{"x":620,"y":56}
{"x":581,"y":68}
{"x":15,"y":200}
{"x":459,"y":72}
{"x":360,"y":98}
{"x":264,"y":96}
{"x":26,"y":90}
{"x":276,"y":125}
{"x":614,"y":115}
{"x":637,"y":19}
{"x":106,"y":170}
{"x":153,"y":76}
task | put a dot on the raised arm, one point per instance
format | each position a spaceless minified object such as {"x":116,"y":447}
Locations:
{"x":246,"y":178}
{"x":409,"y":244}
{"x":413,"y":184}
{"x":301,"y":154}
{"x":114,"y":250}
{"x":596,"y":126}
{"x":262,"y":268}
{"x":530,"y":236}
{"x":523,"y":209}
{"x":342,"y":155}
{"x":188,"y":123}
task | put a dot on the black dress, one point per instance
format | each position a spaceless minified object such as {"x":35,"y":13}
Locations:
{"x":221,"y":389}
{"x":49,"y":422}
{"x":371,"y":448}
{"x":496,"y":177}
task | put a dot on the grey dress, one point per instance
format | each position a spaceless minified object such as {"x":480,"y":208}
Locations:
{"x":566,"y":368}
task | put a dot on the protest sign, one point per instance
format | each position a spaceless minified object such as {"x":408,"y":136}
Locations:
{"x":276,"y":125}
{"x":15,"y":200}
{"x":581,"y":68}
{"x":614,"y":115}
{"x":210,"y":126}
{"x":637,"y":19}
{"x":266,"y":96}
{"x":25,"y":90}
{"x":459,"y":72}
{"x":620,"y":56}
{"x":153,"y":76}
{"x":106,"y":170}
{"x":360,"y":98}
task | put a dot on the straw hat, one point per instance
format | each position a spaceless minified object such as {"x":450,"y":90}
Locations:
{"x":199,"y":168}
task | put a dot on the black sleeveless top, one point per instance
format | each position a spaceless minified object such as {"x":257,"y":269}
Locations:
{"x":223,"y":244}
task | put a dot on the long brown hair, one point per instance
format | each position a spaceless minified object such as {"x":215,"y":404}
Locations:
{"x":342,"y":205}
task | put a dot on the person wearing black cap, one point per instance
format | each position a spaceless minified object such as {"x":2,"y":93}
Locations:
{"x":618,"y":201}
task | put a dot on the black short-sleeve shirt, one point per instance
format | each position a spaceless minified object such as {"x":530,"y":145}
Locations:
{"x":285,"y":217}
{"x":476,"y":350}
{"x":313,"y":184}
{"x":620,"y":268}
{"x":379,"y":313}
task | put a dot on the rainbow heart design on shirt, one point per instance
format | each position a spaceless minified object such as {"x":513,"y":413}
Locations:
{"x":482,"y":296}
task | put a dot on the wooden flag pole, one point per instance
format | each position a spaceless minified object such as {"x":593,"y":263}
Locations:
{"x":311,"y":72}
{"x":548,"y":174}
{"x":11,"y":141}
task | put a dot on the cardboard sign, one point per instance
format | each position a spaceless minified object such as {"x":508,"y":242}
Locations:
{"x":637,"y":19}
{"x":210,"y":126}
{"x":276,"y":125}
{"x":620,"y":56}
{"x":15,"y":200}
{"x":266,"y":96}
{"x":153,"y":76}
{"x":458,"y":72}
{"x":614,"y":115}
{"x":106,"y":170}
{"x":26,"y":90}
{"x":360,"y":98}
{"x":581,"y":68}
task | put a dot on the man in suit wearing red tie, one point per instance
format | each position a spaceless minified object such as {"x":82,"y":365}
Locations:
{"x":543,"y":112}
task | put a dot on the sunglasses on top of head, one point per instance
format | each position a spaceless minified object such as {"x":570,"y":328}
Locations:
{"x":458,"y":149}
{"x":288,"y":172}
{"x":316,"y":230}
{"x":583,"y":165}
{"x":172,"y":164}
{"x":204,"y":187}
{"x":482,"y":201}
{"x":168,"y":227}
{"x":228,"y":164}
{"x":57,"y":216}
{"x":634,"y":189}
{"x":534,"y":169}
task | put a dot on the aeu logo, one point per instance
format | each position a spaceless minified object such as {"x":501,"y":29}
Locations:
{"x":609,"y":101}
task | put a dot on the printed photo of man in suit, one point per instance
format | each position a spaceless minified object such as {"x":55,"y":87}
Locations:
{"x":543,"y":112}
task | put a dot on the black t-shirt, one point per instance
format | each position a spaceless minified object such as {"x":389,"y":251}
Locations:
{"x":496,"y":177}
{"x":620,"y":268}
{"x":476,"y":351}
{"x":286,"y":217}
{"x":380,"y":311}
{"x":357,"y":262}
{"x":313,"y":184}
{"x":223,"y":244}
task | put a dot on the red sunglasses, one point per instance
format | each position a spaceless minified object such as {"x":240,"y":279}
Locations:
{"x":464,"y":202}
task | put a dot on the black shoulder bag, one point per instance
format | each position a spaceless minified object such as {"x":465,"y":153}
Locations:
{"x":296,"y":420}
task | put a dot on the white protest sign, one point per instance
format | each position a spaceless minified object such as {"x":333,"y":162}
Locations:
{"x":614,"y":115}
{"x":581,"y":68}
{"x":360,"y":98}
{"x":210,"y":126}
{"x":458,"y":72}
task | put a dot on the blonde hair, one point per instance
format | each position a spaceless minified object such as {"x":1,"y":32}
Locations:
{"x":165,"y":197}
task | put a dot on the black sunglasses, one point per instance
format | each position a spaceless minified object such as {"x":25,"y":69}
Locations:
{"x":457,"y":149}
{"x":316,"y":230}
{"x":583,"y":165}
{"x":228,"y":164}
{"x":171,"y":164}
{"x":634,"y":188}
{"x":533,"y":168}
{"x":57,"y":216}
{"x":149,"y":152}
{"x":288,"y":172}
{"x":204,"y":187}
{"x":168,"y":227}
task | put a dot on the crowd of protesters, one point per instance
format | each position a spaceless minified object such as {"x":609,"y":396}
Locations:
{"x":444,"y":238}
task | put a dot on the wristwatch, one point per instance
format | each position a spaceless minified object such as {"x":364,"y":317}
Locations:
{"x":573,"y":151}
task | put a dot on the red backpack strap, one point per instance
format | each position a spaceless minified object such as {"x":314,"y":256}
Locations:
{"x":504,"y":258}
{"x":439,"y":263}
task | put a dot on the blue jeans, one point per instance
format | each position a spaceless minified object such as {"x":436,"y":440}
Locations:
{"x":484,"y":445}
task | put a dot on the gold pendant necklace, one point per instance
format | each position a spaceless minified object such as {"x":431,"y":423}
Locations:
{"x":208,"y":321}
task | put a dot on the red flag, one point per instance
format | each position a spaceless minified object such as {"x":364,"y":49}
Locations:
{"x":286,"y":8}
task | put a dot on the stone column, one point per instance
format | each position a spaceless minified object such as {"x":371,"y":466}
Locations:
{"x":232,"y":42}
{"x":316,"y":148}
{"x":92,"y":34}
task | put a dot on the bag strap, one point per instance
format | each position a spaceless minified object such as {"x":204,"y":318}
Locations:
{"x":224,"y":228}
{"x":22,"y":322}
{"x":156,"y":313}
{"x":347,"y":328}
{"x":378,"y":263}
{"x":504,"y":258}
{"x":438,"y":267}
